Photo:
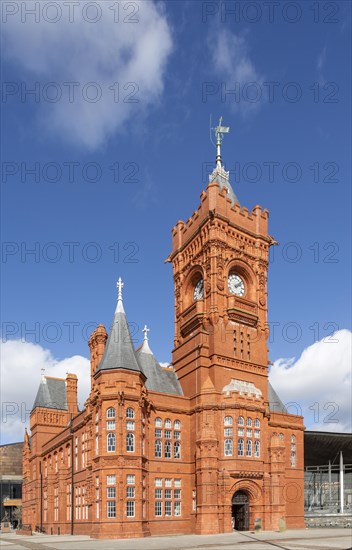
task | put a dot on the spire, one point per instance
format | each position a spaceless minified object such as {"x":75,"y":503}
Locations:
{"x":119,"y":306}
{"x":158,"y":379}
{"x":119,"y":351}
{"x":219,"y":174}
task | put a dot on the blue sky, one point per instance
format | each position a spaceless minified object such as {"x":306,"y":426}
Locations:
{"x":173,"y":61}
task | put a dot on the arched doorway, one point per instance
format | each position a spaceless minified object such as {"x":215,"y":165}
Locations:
{"x":240,"y":511}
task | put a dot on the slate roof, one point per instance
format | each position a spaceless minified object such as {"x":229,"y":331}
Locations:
{"x":51,"y":394}
{"x":220,"y":176}
{"x":275,"y":403}
{"x":119,"y":352}
{"x":158,"y":379}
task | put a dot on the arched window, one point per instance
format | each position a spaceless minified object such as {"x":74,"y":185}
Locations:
{"x":177,"y":425}
{"x":249,"y":447}
{"x":129,"y":412}
{"x":130,"y":442}
{"x":177,"y":449}
{"x":158,"y":448}
{"x":111,"y":442}
{"x":228,"y":421}
{"x":240,"y":421}
{"x":167,"y":449}
{"x":257,"y":448}
{"x":257,"y":423}
{"x":168,"y":423}
{"x":249,"y":422}
{"x":110,"y":413}
{"x":293,"y":451}
{"x":240,"y":447}
{"x":158,"y":423}
{"x":228,"y":447}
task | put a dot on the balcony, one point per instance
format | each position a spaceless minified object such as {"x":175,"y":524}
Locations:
{"x":192,"y":317}
{"x":242,"y":311}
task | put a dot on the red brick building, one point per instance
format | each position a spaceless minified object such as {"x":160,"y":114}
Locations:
{"x":194,"y":448}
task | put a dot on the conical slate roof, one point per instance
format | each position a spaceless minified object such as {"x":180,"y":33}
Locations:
{"x":158,"y":379}
{"x":51,"y":394}
{"x":119,"y":352}
{"x":275,"y":403}
{"x":220,"y":176}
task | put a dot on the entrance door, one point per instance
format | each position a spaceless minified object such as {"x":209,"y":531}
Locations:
{"x":240,"y":511}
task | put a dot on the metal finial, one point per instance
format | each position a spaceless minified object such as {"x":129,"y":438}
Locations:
{"x":219,"y":132}
{"x":119,"y":286}
{"x":146,"y":330}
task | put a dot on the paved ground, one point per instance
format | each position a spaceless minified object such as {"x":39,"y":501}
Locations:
{"x":308,"y":539}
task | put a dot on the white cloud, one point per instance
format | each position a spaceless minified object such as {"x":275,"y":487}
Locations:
{"x":320,"y":65}
{"x":321,"y":59}
{"x":21,"y":364}
{"x":232,"y":63}
{"x":319,"y":382}
{"x":105,"y":52}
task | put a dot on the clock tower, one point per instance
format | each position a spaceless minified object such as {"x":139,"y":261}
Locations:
{"x":220,"y":264}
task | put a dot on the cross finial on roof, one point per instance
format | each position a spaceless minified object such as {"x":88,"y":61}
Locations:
{"x":119,"y":286}
{"x":146,"y":330}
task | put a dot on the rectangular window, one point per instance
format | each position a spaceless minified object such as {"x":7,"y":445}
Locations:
{"x":130,"y":508}
{"x":110,"y":425}
{"x":168,"y":493}
{"x":157,"y":433}
{"x":177,"y":435}
{"x":228,"y":432}
{"x":257,"y":434}
{"x":177,"y":483}
{"x":168,"y":482}
{"x":158,"y":482}
{"x":131,"y":479}
{"x":177,"y":494}
{"x":158,"y":493}
{"x":177,"y":508}
{"x":167,"y":434}
{"x":241,"y":431}
{"x":248,"y":432}
{"x":111,"y":492}
{"x":82,"y":450}
{"x":130,"y":425}
{"x":158,"y":508}
{"x":111,"y":509}
{"x":168,"y":508}
{"x":130,"y":492}
{"x":110,"y":480}
{"x":97,"y":497}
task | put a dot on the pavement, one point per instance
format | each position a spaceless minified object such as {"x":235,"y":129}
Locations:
{"x":303,"y":539}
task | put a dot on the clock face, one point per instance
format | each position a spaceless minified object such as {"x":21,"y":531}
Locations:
{"x":199,"y":290}
{"x":236,"y":285}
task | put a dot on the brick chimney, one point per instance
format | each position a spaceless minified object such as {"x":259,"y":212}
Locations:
{"x":71,"y":393}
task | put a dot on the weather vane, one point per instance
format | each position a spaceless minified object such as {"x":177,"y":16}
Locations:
{"x":219,"y":133}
